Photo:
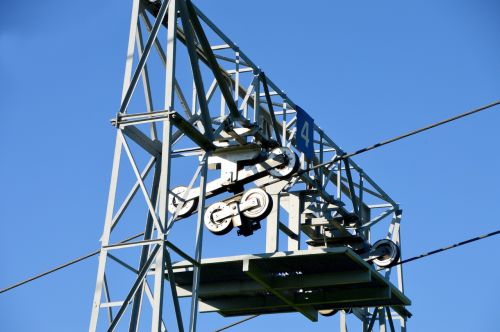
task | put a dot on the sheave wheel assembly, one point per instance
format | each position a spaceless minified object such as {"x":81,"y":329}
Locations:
{"x":175,"y":198}
{"x":217,"y":219}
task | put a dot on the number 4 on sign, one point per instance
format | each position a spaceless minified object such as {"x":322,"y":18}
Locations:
{"x":304,"y":133}
{"x":305,"y":129}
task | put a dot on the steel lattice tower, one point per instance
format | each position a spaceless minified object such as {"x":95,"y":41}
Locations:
{"x":256,"y":155}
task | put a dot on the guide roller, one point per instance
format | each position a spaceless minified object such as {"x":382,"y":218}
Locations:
{"x":221,"y":217}
{"x":218,"y":218}
{"x":290,"y":162}
{"x":387,"y":253}
{"x":259,"y":211}
{"x":176,"y":197}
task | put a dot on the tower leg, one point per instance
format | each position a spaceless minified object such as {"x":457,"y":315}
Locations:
{"x":96,"y":304}
{"x":159,"y":279}
{"x":136,"y":305}
{"x":198,"y":249}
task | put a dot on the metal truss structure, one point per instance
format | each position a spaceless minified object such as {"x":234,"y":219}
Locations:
{"x":253,"y":156}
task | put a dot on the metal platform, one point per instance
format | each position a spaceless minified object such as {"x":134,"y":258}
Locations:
{"x":302,"y":281}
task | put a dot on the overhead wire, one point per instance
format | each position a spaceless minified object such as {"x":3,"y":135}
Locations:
{"x":400,"y":137}
{"x":236,"y":323}
{"x":456,"y":245}
{"x":414,"y":258}
{"x":74,"y":261}
{"x":62,"y":266}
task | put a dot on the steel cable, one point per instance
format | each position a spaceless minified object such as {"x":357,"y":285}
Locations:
{"x":62,"y":266}
{"x":456,"y":245}
{"x":414,"y":258}
{"x":236,"y":323}
{"x":400,"y":137}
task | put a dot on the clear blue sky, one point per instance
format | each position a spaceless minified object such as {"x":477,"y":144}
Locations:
{"x":365,"y":70}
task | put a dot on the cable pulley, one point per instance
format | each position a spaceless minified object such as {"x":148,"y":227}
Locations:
{"x":221,"y":217}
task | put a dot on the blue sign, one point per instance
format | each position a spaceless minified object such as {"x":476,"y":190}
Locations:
{"x":304,"y":134}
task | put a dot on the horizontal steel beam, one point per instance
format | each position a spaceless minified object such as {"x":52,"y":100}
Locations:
{"x":335,"y":298}
{"x":234,"y":288}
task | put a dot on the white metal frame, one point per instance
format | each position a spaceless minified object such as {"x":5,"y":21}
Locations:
{"x":253,"y":109}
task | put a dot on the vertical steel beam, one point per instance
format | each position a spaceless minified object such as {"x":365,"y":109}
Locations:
{"x":343,"y":321}
{"x":108,"y":223}
{"x":159,"y":278}
{"x":130,"y":49}
{"x":339,"y":180}
{"x":294,"y":219}
{"x":381,"y":319}
{"x":237,"y":75}
{"x":272,"y":225}
{"x":105,"y":236}
{"x":256,"y":100}
{"x":222,"y":107}
{"x":321,"y":159}
{"x":389,"y":318}
{"x":283,"y":123}
{"x":173,"y":289}
{"x":399,"y":271}
{"x":137,"y":302}
{"x":360,"y":196}
{"x":108,"y":299}
{"x":273,"y":219}
{"x":199,"y":245}
{"x":142,"y":61}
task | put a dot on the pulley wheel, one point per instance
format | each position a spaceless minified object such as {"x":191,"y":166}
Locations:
{"x":218,"y":227}
{"x":328,"y":312}
{"x":391,"y":255}
{"x":264,"y":207}
{"x":290,"y":166}
{"x":175,"y":198}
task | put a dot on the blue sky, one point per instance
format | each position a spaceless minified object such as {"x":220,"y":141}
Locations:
{"x":365,"y":70}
